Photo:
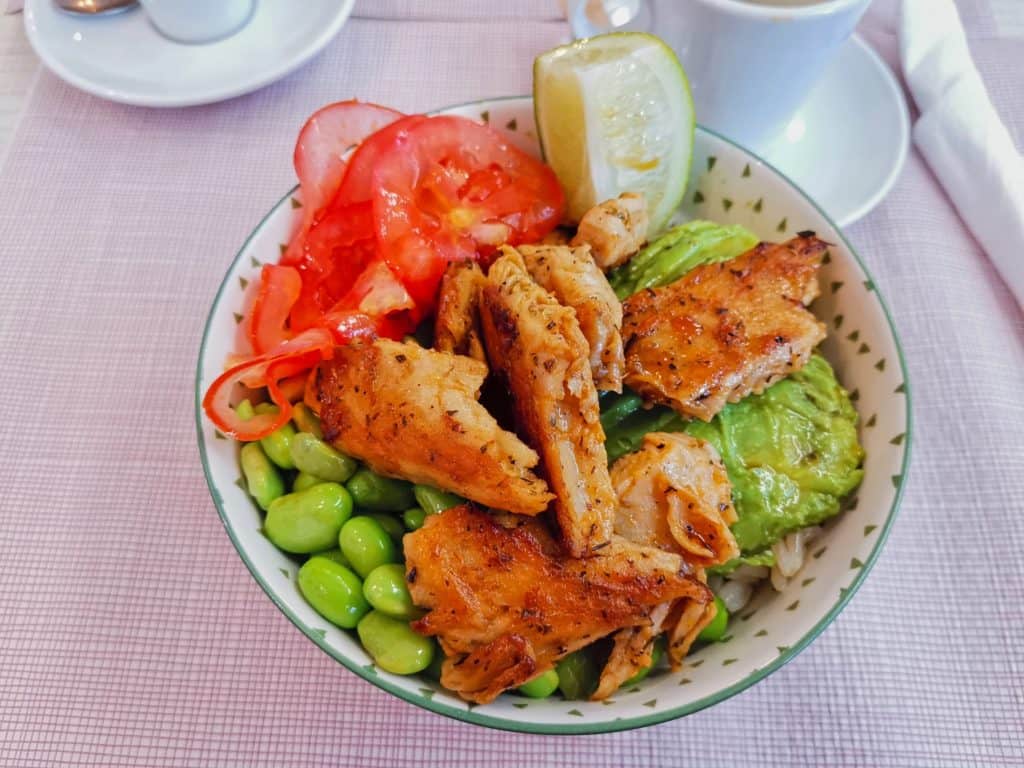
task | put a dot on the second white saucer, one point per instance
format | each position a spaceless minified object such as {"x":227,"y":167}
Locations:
{"x":847,"y":143}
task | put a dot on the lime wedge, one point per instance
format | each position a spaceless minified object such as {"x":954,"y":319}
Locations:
{"x":614,"y":114}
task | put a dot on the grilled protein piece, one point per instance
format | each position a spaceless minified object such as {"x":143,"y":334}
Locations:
{"x":674,"y":494}
{"x":726,"y":330}
{"x":536,"y":344}
{"x":614,"y":229}
{"x":411,"y":412}
{"x":506,"y":603}
{"x":457,"y":326}
{"x":577,"y":282}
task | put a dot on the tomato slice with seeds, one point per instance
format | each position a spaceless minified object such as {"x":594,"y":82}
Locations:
{"x":451,"y":189}
{"x":319,"y":158}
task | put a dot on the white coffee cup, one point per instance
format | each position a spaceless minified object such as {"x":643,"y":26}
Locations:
{"x":750,"y":64}
{"x":198,"y":21}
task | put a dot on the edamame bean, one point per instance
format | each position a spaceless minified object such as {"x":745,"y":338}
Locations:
{"x":265,"y":407}
{"x":261,"y":476}
{"x":542,"y":686}
{"x":378,"y":493}
{"x":434,"y":500}
{"x":333,"y":590}
{"x":366,"y":544}
{"x":310,"y":520}
{"x":394,"y":646}
{"x":304,"y":480}
{"x":278,"y":446}
{"x":656,"y":653}
{"x":414,"y":518}
{"x":335,"y":555}
{"x":386,"y":591}
{"x":306,"y":420}
{"x":244,"y":410}
{"x":391,"y":524}
{"x":715,"y":631}
{"x":577,"y":675}
{"x":622,"y":406}
{"x":312,"y":455}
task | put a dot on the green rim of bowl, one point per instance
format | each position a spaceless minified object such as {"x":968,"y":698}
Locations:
{"x":479,"y":718}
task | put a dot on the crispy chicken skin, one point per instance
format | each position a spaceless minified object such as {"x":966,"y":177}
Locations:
{"x":614,"y":229}
{"x":457,"y":325}
{"x":674,"y":494}
{"x":537,"y":346}
{"x":506,"y":603}
{"x":412,"y":413}
{"x":724,"y":331}
{"x":577,"y":282}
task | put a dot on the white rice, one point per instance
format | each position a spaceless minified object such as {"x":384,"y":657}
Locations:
{"x":738,"y":587}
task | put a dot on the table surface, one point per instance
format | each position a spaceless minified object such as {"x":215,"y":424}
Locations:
{"x":131,"y":634}
{"x":18,"y":68}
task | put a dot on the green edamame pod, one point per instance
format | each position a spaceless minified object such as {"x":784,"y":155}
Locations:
{"x":311,"y":454}
{"x":310,"y":520}
{"x":715,"y":631}
{"x":434,"y":500}
{"x":306,"y":420}
{"x":244,"y":410}
{"x":333,"y":590}
{"x":378,"y":493}
{"x":414,"y":518}
{"x":366,"y":544}
{"x":622,"y":406}
{"x":304,"y":480}
{"x":656,"y":653}
{"x":542,"y":686}
{"x":391,"y":524}
{"x":386,"y":591}
{"x":578,"y":675}
{"x":394,"y":646}
{"x":278,"y":446}
{"x":261,"y":476}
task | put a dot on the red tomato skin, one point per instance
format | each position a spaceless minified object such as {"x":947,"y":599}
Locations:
{"x":279,"y":289}
{"x":452,"y":189}
{"x":325,"y":138}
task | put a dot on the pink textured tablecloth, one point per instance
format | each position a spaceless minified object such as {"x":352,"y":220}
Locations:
{"x":131,"y":633}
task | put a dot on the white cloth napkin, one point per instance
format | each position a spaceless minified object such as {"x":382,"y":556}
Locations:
{"x":13,"y":6}
{"x":961,"y":136}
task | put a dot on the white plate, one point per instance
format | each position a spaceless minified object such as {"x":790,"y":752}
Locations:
{"x":729,"y":185}
{"x":846,"y":145}
{"x":123,"y":57}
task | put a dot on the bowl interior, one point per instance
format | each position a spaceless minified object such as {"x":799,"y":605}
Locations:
{"x":729,"y":185}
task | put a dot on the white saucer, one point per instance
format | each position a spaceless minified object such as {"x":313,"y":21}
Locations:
{"x":846,"y":145}
{"x":123,"y":57}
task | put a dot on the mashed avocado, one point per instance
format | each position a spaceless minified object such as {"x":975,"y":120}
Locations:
{"x":792,"y":454}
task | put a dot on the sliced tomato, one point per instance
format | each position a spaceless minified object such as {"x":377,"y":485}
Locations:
{"x":319,"y":158}
{"x":357,"y":184}
{"x":292,"y":357}
{"x":451,"y":189}
{"x":279,"y":290}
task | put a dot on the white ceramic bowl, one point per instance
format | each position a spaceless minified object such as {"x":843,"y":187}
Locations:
{"x":728,"y":185}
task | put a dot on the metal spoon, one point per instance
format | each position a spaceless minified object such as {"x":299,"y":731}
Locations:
{"x":95,"y":7}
